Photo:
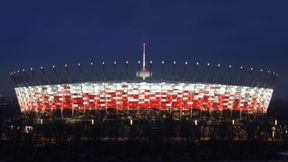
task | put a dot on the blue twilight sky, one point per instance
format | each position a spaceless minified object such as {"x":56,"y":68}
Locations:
{"x":247,"y":32}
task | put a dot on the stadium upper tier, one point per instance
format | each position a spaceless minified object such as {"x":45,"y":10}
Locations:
{"x":163,"y":72}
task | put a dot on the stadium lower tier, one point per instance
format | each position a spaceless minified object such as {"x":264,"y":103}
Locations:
{"x":143,"y":95}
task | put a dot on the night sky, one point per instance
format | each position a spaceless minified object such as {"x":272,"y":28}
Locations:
{"x":247,"y":32}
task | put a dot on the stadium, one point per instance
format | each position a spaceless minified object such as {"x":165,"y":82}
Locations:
{"x":138,"y":91}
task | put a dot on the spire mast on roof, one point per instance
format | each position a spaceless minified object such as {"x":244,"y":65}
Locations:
{"x":144,"y":57}
{"x":143,"y":73}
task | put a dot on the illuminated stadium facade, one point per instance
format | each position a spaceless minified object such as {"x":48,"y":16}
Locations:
{"x":100,"y":92}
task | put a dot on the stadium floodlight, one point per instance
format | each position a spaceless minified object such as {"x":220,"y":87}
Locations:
{"x":131,"y":122}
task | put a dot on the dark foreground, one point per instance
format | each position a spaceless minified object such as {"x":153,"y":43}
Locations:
{"x":143,"y":151}
{"x":157,"y":140}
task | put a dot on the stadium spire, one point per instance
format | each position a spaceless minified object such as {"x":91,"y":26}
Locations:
{"x":143,"y":72}
{"x":144,"y":59}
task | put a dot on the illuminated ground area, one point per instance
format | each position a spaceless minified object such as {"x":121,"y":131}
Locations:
{"x":49,"y":131}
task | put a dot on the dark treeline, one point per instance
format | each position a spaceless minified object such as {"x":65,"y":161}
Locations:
{"x":278,"y":109}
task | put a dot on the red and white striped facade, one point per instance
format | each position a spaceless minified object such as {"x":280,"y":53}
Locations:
{"x":143,"y":95}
